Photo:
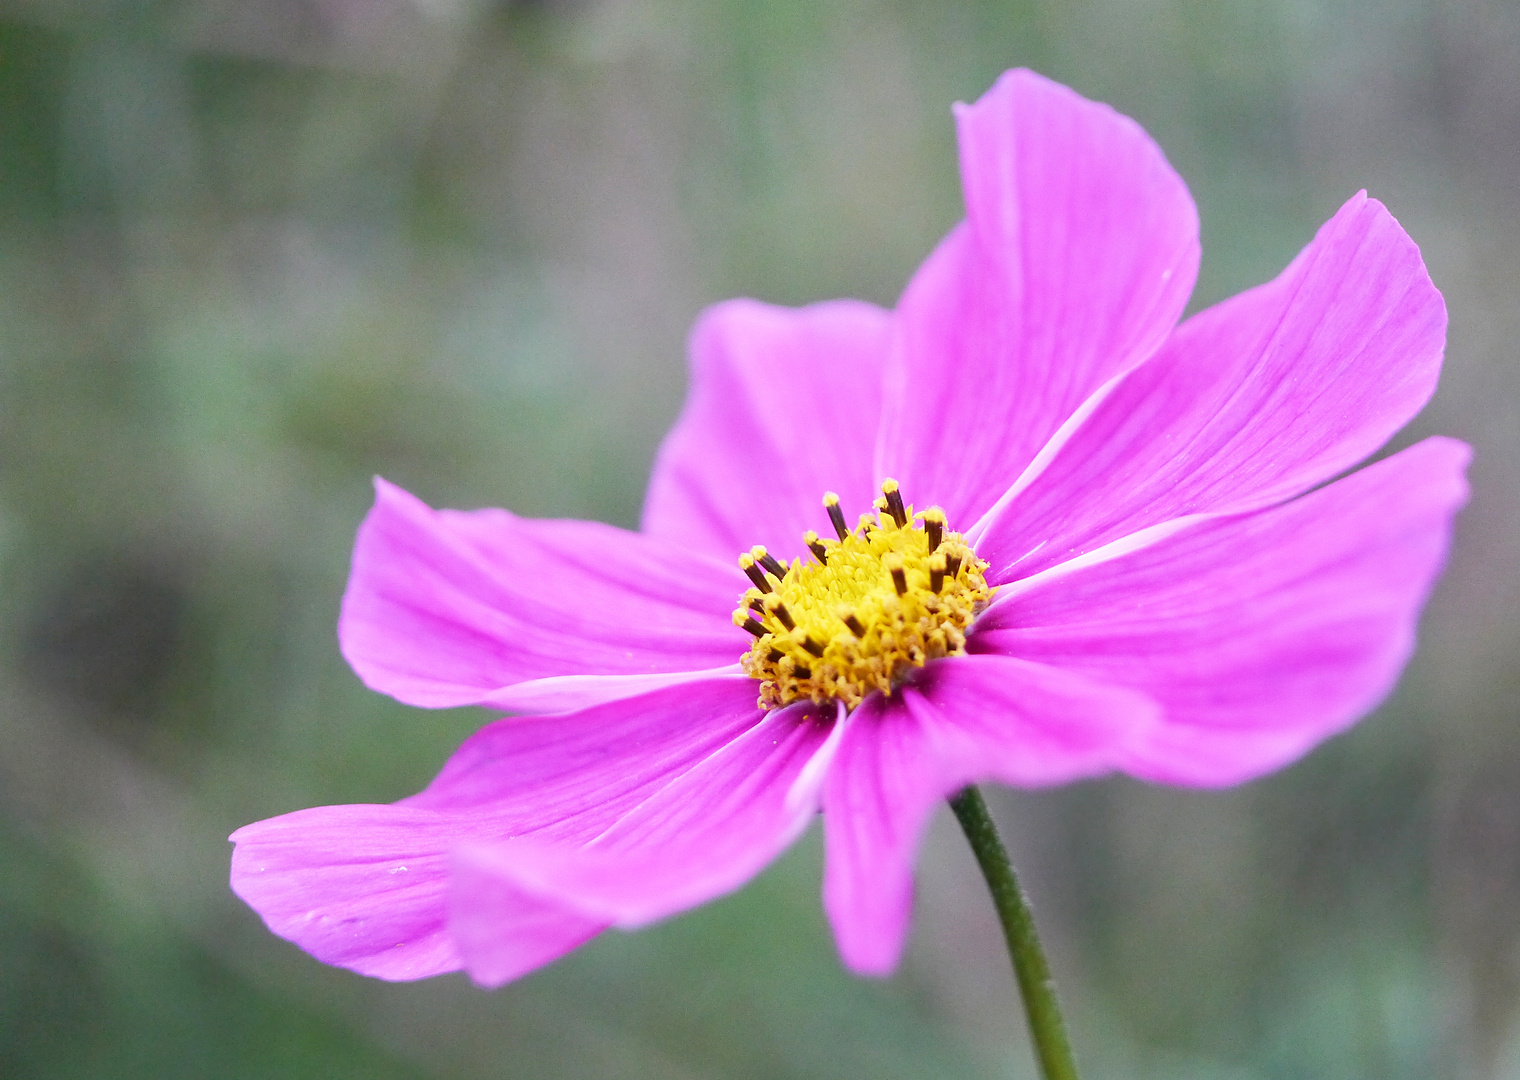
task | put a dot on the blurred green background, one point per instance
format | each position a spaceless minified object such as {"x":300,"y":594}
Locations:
{"x":254,"y":251}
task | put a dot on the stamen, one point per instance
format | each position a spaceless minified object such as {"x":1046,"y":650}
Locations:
{"x":768,"y":561}
{"x":803,"y":638}
{"x":936,"y":573}
{"x":895,"y":503}
{"x":857,"y":616}
{"x":774,"y":606}
{"x":934,"y":528}
{"x":753,"y":572}
{"x":836,"y":515}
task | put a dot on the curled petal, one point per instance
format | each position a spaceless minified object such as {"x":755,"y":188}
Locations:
{"x":1261,"y":634}
{"x":367,"y":887}
{"x":698,"y":838}
{"x":360,"y":887}
{"x":448,"y":608}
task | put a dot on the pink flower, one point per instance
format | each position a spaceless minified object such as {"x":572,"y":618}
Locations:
{"x":1156,"y":575}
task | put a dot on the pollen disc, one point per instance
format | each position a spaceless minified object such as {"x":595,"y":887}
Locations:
{"x":865,"y":610}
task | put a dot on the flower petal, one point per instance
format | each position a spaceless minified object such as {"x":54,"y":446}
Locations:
{"x":784,"y":405}
{"x":1261,"y":634}
{"x":506,"y":931}
{"x":360,"y":887}
{"x":572,"y":693}
{"x":701,"y":836}
{"x":448,"y":608}
{"x":1251,"y":402}
{"x":1076,"y":260}
{"x":366,"y":887}
{"x":972,"y":718}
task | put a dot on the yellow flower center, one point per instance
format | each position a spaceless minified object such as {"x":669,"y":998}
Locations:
{"x":865,"y":610}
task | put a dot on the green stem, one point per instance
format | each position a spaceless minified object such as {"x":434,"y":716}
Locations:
{"x":1039,"y":992}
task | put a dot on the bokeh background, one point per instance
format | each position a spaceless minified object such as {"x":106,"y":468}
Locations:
{"x":254,"y":251}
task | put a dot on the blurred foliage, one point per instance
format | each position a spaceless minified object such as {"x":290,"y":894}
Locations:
{"x":252,"y":253}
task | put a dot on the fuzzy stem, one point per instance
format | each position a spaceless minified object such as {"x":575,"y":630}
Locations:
{"x":1046,"y":1027}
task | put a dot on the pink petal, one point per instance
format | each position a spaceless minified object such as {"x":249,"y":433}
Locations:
{"x":1250,"y":403}
{"x":969,"y":720}
{"x":506,"y":931}
{"x":357,"y":886}
{"x":366,"y":887}
{"x":572,"y":693}
{"x":1078,"y":255}
{"x":784,"y":406}
{"x":1260,"y":635}
{"x":449,"y":608}
{"x":701,"y":836}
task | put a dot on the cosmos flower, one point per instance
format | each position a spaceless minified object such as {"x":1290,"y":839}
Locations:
{"x":1132,"y":555}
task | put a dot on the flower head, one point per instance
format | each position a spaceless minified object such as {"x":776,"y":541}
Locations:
{"x":1153,"y":574}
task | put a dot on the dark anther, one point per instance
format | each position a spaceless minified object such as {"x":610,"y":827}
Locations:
{"x":900,"y":580}
{"x":815,"y":545}
{"x":753,"y":627}
{"x":757,"y":604}
{"x":952,"y":565}
{"x":768,"y":561}
{"x":934,"y":528}
{"x":812,"y":646}
{"x":836,"y":515}
{"x":801,"y":672}
{"x":754,"y":573}
{"x":783,"y":616}
{"x":936,"y":574}
{"x":775,"y":655}
{"x":849,"y":619}
{"x":895,"y":504}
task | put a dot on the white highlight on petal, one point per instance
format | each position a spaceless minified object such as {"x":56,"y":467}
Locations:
{"x":1115,"y":549}
{"x":1041,"y":461}
{"x":804,"y":791}
{"x":571,"y":693}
